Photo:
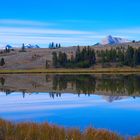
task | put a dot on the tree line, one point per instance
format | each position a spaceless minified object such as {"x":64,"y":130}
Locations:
{"x":83,"y":58}
{"x":122,"y":56}
{"x":54,"y":46}
{"x":87,"y":57}
{"x":115,"y":84}
{"x":2,"y":62}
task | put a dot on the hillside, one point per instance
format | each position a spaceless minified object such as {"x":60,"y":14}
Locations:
{"x":31,"y":59}
{"x":35,"y":58}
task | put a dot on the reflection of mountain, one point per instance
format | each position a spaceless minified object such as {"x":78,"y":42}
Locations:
{"x":114,"y":98}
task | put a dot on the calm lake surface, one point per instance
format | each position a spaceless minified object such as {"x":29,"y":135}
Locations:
{"x":111,"y":102}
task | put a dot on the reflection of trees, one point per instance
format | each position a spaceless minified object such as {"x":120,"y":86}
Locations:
{"x":111,"y":84}
{"x":23,"y":94}
{"x":83,"y":83}
{"x":47,"y":78}
{"x":7,"y":91}
{"x":119,"y":84}
{"x":87,"y":84}
{"x":132,"y":84}
{"x":54,"y":94}
{"x":2,"y":81}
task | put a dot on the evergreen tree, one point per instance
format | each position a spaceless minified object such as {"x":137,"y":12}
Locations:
{"x":47,"y":65}
{"x":120,"y":55}
{"x":77,"y":57}
{"x":138,"y":57}
{"x":129,"y":56}
{"x":113,"y":55}
{"x":62,"y":59}
{"x":103,"y":57}
{"x":56,"y":45}
{"x":59,"y":46}
{"x":7,"y":50}
{"x":23,"y":48}
{"x":55,"y":60}
{"x":135,"y":58}
{"x":52,"y":46}
{"x":2,"y":62}
{"x":2,"y":81}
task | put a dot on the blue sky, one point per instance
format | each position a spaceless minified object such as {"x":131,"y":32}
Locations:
{"x":73,"y":22}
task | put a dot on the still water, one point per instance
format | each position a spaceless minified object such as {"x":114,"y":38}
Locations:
{"x":100,"y":101}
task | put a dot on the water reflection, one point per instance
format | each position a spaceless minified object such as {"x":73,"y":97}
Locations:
{"x":103,"y":101}
{"x":125,"y":85}
{"x":2,"y":81}
{"x":69,"y":110}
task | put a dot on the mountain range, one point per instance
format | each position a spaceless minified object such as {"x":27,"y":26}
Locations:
{"x":30,"y":46}
{"x":27,"y":46}
{"x":109,"y":40}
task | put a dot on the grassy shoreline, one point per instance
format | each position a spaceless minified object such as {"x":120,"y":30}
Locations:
{"x":73,"y":71}
{"x":45,"y":131}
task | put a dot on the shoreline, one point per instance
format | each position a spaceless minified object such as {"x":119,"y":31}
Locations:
{"x":74,"y":71}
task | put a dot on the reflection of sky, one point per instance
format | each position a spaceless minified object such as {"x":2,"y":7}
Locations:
{"x":73,"y":111}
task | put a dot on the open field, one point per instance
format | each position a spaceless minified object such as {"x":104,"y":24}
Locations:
{"x":44,"y":131}
{"x":32,"y":58}
{"x":73,"y":71}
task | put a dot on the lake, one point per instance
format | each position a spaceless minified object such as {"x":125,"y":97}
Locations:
{"x":106,"y":101}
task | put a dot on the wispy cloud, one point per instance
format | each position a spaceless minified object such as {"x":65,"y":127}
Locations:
{"x":15,"y":32}
{"x":39,"y":31}
{"x":23,"y":22}
{"x":128,"y":30}
{"x":27,"y":33}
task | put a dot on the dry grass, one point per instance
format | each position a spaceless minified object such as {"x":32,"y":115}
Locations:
{"x":136,"y":138}
{"x":74,"y":71}
{"x":33,"y":131}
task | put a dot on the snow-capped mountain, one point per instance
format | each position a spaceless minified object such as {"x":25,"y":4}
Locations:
{"x":114,"y":40}
{"x":29,"y":46}
{"x":97,"y":44}
{"x":8,"y":47}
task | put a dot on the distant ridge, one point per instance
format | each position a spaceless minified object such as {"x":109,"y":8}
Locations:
{"x":29,"y":46}
{"x":8,"y":47}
